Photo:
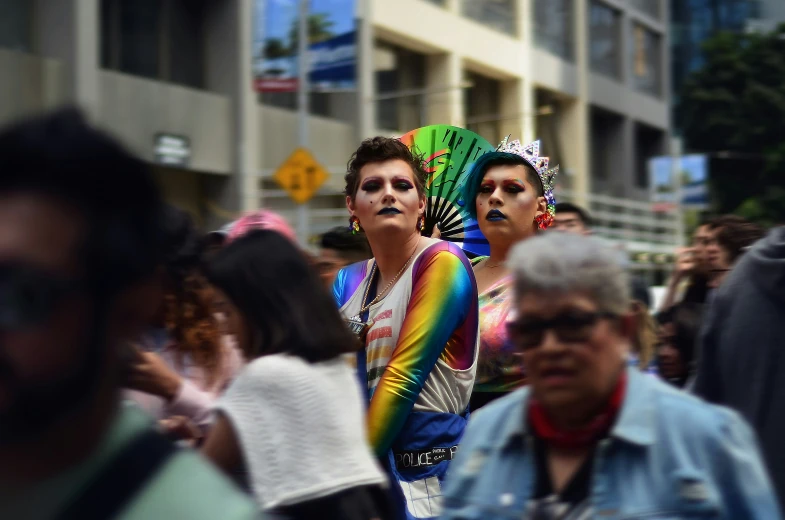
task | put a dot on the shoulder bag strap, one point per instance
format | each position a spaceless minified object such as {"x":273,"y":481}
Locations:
{"x":122,"y":478}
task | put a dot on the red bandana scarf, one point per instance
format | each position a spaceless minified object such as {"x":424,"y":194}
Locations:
{"x":582,"y":437}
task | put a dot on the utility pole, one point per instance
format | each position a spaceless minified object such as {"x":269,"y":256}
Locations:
{"x":303,"y":215}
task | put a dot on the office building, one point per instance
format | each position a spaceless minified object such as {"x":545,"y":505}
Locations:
{"x":174,"y":80}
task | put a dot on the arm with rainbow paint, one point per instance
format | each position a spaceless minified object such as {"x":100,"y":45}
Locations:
{"x":443,"y":295}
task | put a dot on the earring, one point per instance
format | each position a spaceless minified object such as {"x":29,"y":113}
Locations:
{"x":354,"y":225}
{"x":421,"y":223}
{"x":544,"y":220}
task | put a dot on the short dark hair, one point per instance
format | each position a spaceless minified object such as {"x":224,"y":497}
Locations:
{"x":382,"y":149}
{"x":471,"y":186}
{"x":735,"y":234}
{"x":59,"y":155}
{"x":270,"y":281}
{"x":184,"y":242}
{"x":686,"y":318}
{"x":568,"y":207}
{"x":352,"y":247}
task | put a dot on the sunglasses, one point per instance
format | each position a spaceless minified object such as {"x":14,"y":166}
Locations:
{"x":29,"y":296}
{"x":570,"y":327}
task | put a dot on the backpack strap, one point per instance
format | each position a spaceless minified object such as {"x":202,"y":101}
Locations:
{"x":121,"y":479}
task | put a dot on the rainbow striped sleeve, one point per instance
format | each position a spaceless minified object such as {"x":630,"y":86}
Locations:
{"x":347,"y":281}
{"x":441,"y":322}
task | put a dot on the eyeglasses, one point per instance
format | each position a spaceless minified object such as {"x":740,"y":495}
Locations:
{"x":571,"y":327}
{"x":29,"y":296}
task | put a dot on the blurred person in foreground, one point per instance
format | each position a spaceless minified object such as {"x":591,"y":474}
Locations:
{"x":183,"y":362}
{"x":339,"y":248}
{"x":294,"y":419}
{"x":77,"y":282}
{"x":589,"y":437}
{"x":742,"y":363}
{"x":509,"y":192}
{"x":413,"y":308}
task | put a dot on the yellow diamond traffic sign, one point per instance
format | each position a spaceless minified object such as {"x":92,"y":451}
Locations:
{"x":300,"y":175}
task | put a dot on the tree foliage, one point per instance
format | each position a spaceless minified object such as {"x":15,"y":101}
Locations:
{"x":319,"y":29}
{"x":734,"y":106}
{"x":274,"y":48}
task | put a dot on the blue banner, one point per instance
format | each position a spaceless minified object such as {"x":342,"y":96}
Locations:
{"x":333,"y":62}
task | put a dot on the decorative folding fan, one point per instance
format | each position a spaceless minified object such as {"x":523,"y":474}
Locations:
{"x":448,"y":153}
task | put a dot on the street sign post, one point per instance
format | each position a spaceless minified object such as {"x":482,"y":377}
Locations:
{"x":301,"y":176}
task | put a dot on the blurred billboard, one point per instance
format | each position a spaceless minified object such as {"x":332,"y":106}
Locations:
{"x":332,"y":39}
{"x":679,"y":181}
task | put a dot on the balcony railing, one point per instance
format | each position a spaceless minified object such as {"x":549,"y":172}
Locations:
{"x":636,"y":224}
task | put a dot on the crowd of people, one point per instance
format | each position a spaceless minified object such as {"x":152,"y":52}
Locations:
{"x":148,"y":370}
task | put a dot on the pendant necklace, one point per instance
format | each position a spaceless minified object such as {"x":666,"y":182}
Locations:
{"x":355,"y":323}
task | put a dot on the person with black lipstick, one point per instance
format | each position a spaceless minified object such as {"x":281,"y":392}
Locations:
{"x":510,"y":193}
{"x":413,"y":307}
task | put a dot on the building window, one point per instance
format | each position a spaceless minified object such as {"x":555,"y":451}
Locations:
{"x":646,"y":60}
{"x":649,"y":143}
{"x":16,"y":25}
{"x":400,"y":87}
{"x":498,"y":14}
{"x":482,"y":106}
{"x":159,"y":39}
{"x":553,"y":27}
{"x":605,"y":39}
{"x":650,"y":7}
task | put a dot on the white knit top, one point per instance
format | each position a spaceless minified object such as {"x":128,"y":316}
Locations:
{"x":301,"y":427}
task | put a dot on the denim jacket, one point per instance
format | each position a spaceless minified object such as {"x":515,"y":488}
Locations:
{"x":669,"y":455}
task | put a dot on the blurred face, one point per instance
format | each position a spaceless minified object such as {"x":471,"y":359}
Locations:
{"x":700,"y":245}
{"x":387,"y":200}
{"x":507,"y":204}
{"x":569,"y":223}
{"x":669,"y":359}
{"x":718,"y":258}
{"x":573,"y":353}
{"x":45,"y":315}
{"x":328,"y":264}
{"x":234,"y":323}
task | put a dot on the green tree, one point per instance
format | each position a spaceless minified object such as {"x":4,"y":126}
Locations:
{"x":734,"y":106}
{"x":319,"y":30}
{"x":275,"y":48}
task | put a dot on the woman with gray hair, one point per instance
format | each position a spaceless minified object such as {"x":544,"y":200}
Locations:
{"x":589,"y":436}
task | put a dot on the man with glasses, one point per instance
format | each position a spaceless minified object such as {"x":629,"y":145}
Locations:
{"x":80,"y":241}
{"x":589,"y":437}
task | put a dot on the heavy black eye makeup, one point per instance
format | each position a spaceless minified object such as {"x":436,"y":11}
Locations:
{"x":514,"y":186}
{"x":371,"y":185}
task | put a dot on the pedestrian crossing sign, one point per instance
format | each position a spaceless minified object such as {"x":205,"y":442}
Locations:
{"x":301,"y":176}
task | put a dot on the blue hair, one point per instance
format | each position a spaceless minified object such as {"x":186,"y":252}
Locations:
{"x":471,"y":186}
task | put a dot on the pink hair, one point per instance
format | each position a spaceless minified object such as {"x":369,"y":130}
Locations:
{"x":261,"y":219}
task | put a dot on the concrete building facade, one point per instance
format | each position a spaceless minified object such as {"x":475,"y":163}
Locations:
{"x":591,"y":78}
